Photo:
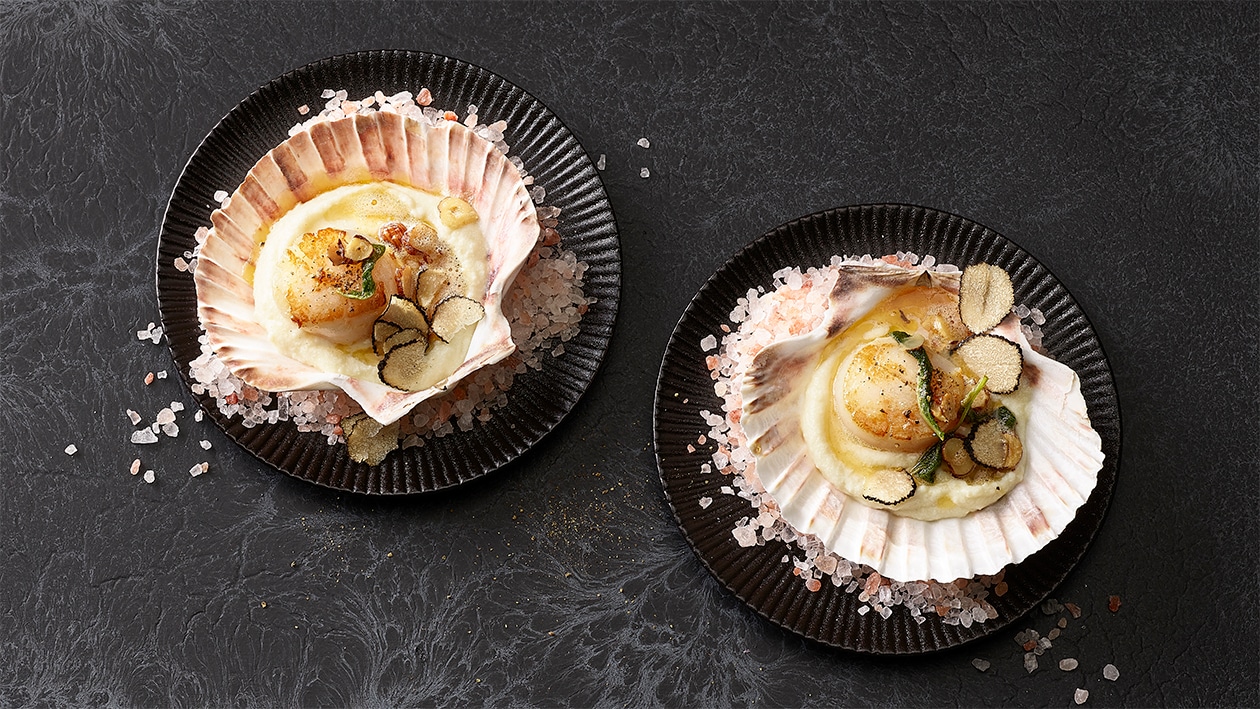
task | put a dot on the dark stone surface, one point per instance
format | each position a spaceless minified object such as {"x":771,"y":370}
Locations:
{"x":1117,"y":143}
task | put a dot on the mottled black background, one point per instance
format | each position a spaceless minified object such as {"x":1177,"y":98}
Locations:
{"x":1115,"y":142}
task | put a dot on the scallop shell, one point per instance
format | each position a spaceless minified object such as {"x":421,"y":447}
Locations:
{"x":1062,"y":451}
{"x":445,"y":158}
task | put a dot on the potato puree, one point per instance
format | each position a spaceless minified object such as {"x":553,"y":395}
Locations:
{"x":361,"y":209}
{"x":847,"y":462}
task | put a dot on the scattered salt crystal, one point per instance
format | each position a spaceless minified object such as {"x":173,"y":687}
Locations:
{"x":205,"y":445}
{"x":1080,"y":696}
{"x":135,"y":466}
{"x":220,"y":195}
{"x":304,"y":109}
{"x":425,"y":97}
{"x":1038,"y":317}
{"x":1021,"y":311}
{"x":161,"y":374}
{"x":1062,"y":623}
{"x":644,"y":143}
{"x":143,"y":436}
{"x":177,"y":406}
{"x":864,"y":610}
{"x":135,"y":417}
{"x":705,"y":502}
{"x":170,"y":429}
{"x":708,"y":343}
{"x":198,"y":469}
{"x":165,"y":416}
{"x":155,"y":427}
{"x":645,"y":173}
{"x":327,"y":93}
{"x":71,"y":449}
{"x":1030,"y":662}
{"x":538,"y":194}
{"x":199,"y":415}
{"x":727,"y":490}
{"x":602,"y":162}
{"x":1110,"y":673}
{"x":180,"y":265}
{"x":1068,"y":664}
{"x":149,"y":476}
{"x":746,"y":536}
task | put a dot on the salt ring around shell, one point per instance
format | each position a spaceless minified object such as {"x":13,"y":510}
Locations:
{"x":446,"y":159}
{"x":1064,"y":456}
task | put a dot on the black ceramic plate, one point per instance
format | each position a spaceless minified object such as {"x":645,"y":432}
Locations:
{"x":756,"y":574}
{"x":538,"y":400}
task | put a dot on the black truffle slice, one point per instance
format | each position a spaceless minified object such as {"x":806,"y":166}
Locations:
{"x":995,"y":357}
{"x":993,"y":444}
{"x":985,"y":296}
{"x":404,"y":366}
{"x":381,"y":331}
{"x":405,"y":314}
{"x":889,"y":486}
{"x":368,"y":441}
{"x":454,"y":314}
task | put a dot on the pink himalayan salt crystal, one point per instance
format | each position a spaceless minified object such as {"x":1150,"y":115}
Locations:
{"x":547,"y":292}
{"x":794,"y":305}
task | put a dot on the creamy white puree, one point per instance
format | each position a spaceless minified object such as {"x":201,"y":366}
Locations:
{"x":361,"y":209}
{"x":847,"y":462}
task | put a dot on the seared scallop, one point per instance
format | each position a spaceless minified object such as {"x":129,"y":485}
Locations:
{"x":876,"y":395}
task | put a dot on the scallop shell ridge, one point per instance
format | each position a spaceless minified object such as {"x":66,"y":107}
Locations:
{"x":1063,"y":456}
{"x":445,"y":158}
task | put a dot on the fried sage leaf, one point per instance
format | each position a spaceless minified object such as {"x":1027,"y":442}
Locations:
{"x":924,"y":389}
{"x":925,"y":467}
{"x":368,"y":287}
